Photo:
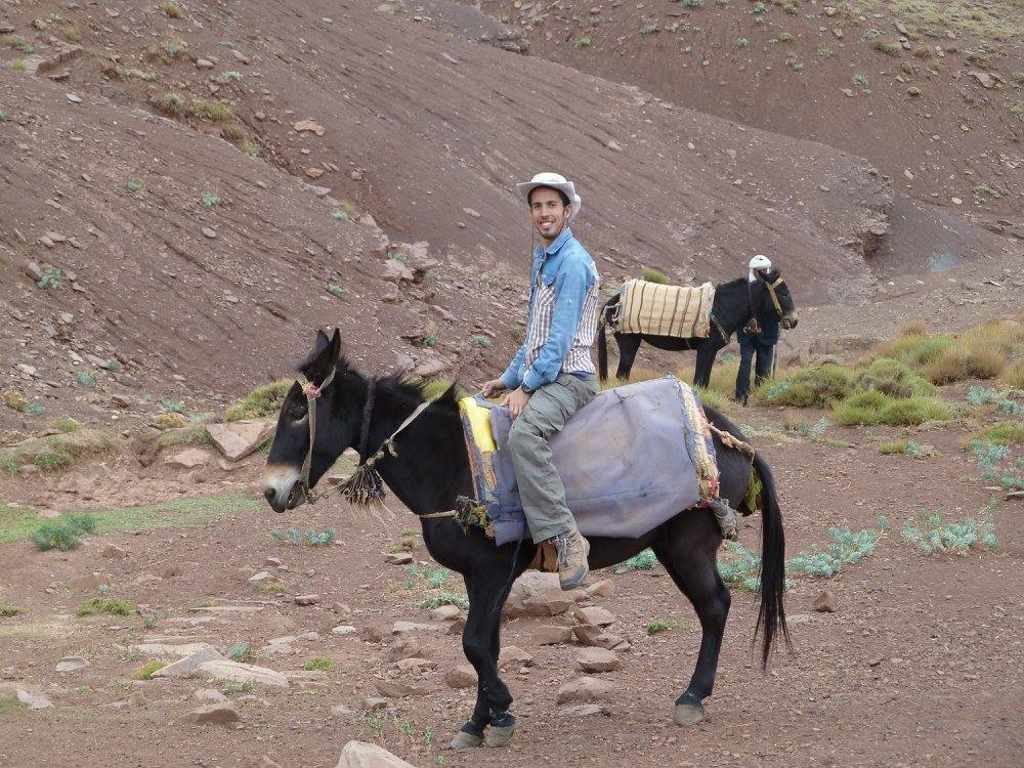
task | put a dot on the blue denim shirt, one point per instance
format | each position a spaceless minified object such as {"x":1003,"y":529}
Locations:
{"x":559,"y":338}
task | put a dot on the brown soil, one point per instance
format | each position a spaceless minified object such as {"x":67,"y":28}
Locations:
{"x":429,"y":114}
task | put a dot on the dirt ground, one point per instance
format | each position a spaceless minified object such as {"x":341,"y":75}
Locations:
{"x":205,"y":253}
{"x":920,"y":664}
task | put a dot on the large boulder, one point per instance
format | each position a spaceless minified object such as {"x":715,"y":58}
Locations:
{"x":238,"y":439}
{"x":243,"y":673}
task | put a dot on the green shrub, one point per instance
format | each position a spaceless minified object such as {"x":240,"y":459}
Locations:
{"x":652,"y":275}
{"x":445,"y":598}
{"x":1006,"y":433}
{"x":644,"y":561}
{"x":214,"y":111}
{"x":660,"y":625}
{"x":318,"y":663}
{"x":933,"y":534}
{"x":906,"y":448}
{"x":7,"y":610}
{"x":170,"y":103}
{"x":240,"y":652}
{"x":892,"y":377}
{"x":172,"y":9}
{"x":210,"y":200}
{"x":1013,"y":376}
{"x":65,"y":533}
{"x":66,"y":425}
{"x":874,"y":407}
{"x":147,"y":671}
{"x":265,"y":400}
{"x":582,"y":41}
{"x":98,"y":606}
{"x":742,"y":570}
{"x":816,"y":387}
{"x":847,"y":547}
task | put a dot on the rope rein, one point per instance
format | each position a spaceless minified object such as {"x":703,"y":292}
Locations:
{"x":312,"y":393}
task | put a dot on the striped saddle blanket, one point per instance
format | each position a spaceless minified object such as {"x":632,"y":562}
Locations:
{"x":665,"y":310}
{"x":631,"y":459}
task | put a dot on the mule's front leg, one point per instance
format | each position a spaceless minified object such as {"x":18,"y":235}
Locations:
{"x":481,"y":644}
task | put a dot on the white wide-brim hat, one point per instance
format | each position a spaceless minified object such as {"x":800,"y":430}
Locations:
{"x":555,"y":181}
{"x":757,"y":264}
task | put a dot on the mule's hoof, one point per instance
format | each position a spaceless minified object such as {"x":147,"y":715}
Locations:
{"x":466,"y":740}
{"x":499,"y":736}
{"x":689,"y":714}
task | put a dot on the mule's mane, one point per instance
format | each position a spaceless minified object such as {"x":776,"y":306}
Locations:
{"x":396,"y":387}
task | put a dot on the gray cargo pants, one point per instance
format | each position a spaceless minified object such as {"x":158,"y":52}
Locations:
{"x":540,"y":488}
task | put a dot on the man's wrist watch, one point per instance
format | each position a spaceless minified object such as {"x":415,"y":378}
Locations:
{"x":526,"y":389}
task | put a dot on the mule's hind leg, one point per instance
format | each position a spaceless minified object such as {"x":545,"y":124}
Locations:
{"x":481,"y":644}
{"x":689,"y":554}
{"x":629,"y":345}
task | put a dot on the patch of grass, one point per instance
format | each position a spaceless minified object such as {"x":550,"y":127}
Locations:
{"x":150,"y":668}
{"x":652,"y":275}
{"x":915,"y":348}
{"x":66,"y":425}
{"x":649,"y":27}
{"x":961,"y":362}
{"x":18,"y":43}
{"x":816,"y":387}
{"x":742,"y":42}
{"x":107,"y":606}
{"x":312,"y":538}
{"x":234,"y":687}
{"x":906,"y":448}
{"x":785,"y":37}
{"x":891,"y":377}
{"x":980,"y":396}
{"x":210,"y":200}
{"x":173,"y":48}
{"x":759,"y":9}
{"x":240,"y":652}
{"x":7,"y":610}
{"x":15,"y":400}
{"x":71,"y":33}
{"x":741,"y":568}
{"x":824,"y":52}
{"x":85,"y":379}
{"x":445,"y":598}
{"x":888,"y":47}
{"x":873,"y":407}
{"x":172,"y":406}
{"x":64,"y":533}
{"x":50,"y":278}
{"x":658,"y":626}
{"x":229,"y":76}
{"x":692,"y":3}
{"x":10,"y":704}
{"x":861,"y":81}
{"x":170,"y":103}
{"x":582,"y":41}
{"x":214,"y":111}
{"x":61,"y":450}
{"x":932,"y":533}
{"x":336,"y":290}
{"x":1005,"y":433}
{"x":172,"y":10}
{"x":434,"y":578}
{"x":847,"y":547}
{"x":134,"y":185}
{"x":250,"y":148}
{"x":19,"y":65}
{"x":643,"y":561}
{"x":17,"y":523}
{"x":234,"y":133}
{"x":265,"y":400}
{"x":1013,"y":375}
{"x":479,"y":340}
{"x":318,"y":663}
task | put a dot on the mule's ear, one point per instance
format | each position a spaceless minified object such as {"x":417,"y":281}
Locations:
{"x":317,"y":367}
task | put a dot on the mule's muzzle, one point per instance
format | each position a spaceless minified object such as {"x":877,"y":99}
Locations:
{"x":282,"y":489}
{"x":789,"y":321}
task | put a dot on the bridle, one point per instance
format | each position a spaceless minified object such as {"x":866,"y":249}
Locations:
{"x":312,"y":393}
{"x":365,"y":485}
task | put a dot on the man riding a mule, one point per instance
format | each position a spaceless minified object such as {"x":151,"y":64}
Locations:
{"x":552,"y":375}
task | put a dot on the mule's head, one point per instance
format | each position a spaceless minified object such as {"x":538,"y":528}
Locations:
{"x":778,"y":295}
{"x":337,"y":420}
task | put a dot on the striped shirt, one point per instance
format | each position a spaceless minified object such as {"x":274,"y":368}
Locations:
{"x":562,"y":317}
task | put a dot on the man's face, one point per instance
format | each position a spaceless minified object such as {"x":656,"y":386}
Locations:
{"x":548,"y":212}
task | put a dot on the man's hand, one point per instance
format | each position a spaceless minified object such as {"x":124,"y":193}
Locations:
{"x":516,"y":401}
{"x":493,"y":387}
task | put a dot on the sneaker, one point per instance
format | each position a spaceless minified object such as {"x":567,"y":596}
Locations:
{"x":573,"y":551}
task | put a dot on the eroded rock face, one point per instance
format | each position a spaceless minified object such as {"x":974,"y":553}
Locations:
{"x":359,"y":754}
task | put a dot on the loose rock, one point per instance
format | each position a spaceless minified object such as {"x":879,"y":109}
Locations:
{"x":221,"y":713}
{"x":585,"y":690}
{"x":597,"y":660}
{"x":825,"y":602}
{"x":462,"y":676}
{"x":359,"y":754}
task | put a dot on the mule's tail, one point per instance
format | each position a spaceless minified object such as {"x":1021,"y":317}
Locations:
{"x":602,"y":338}
{"x":771,"y":616}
